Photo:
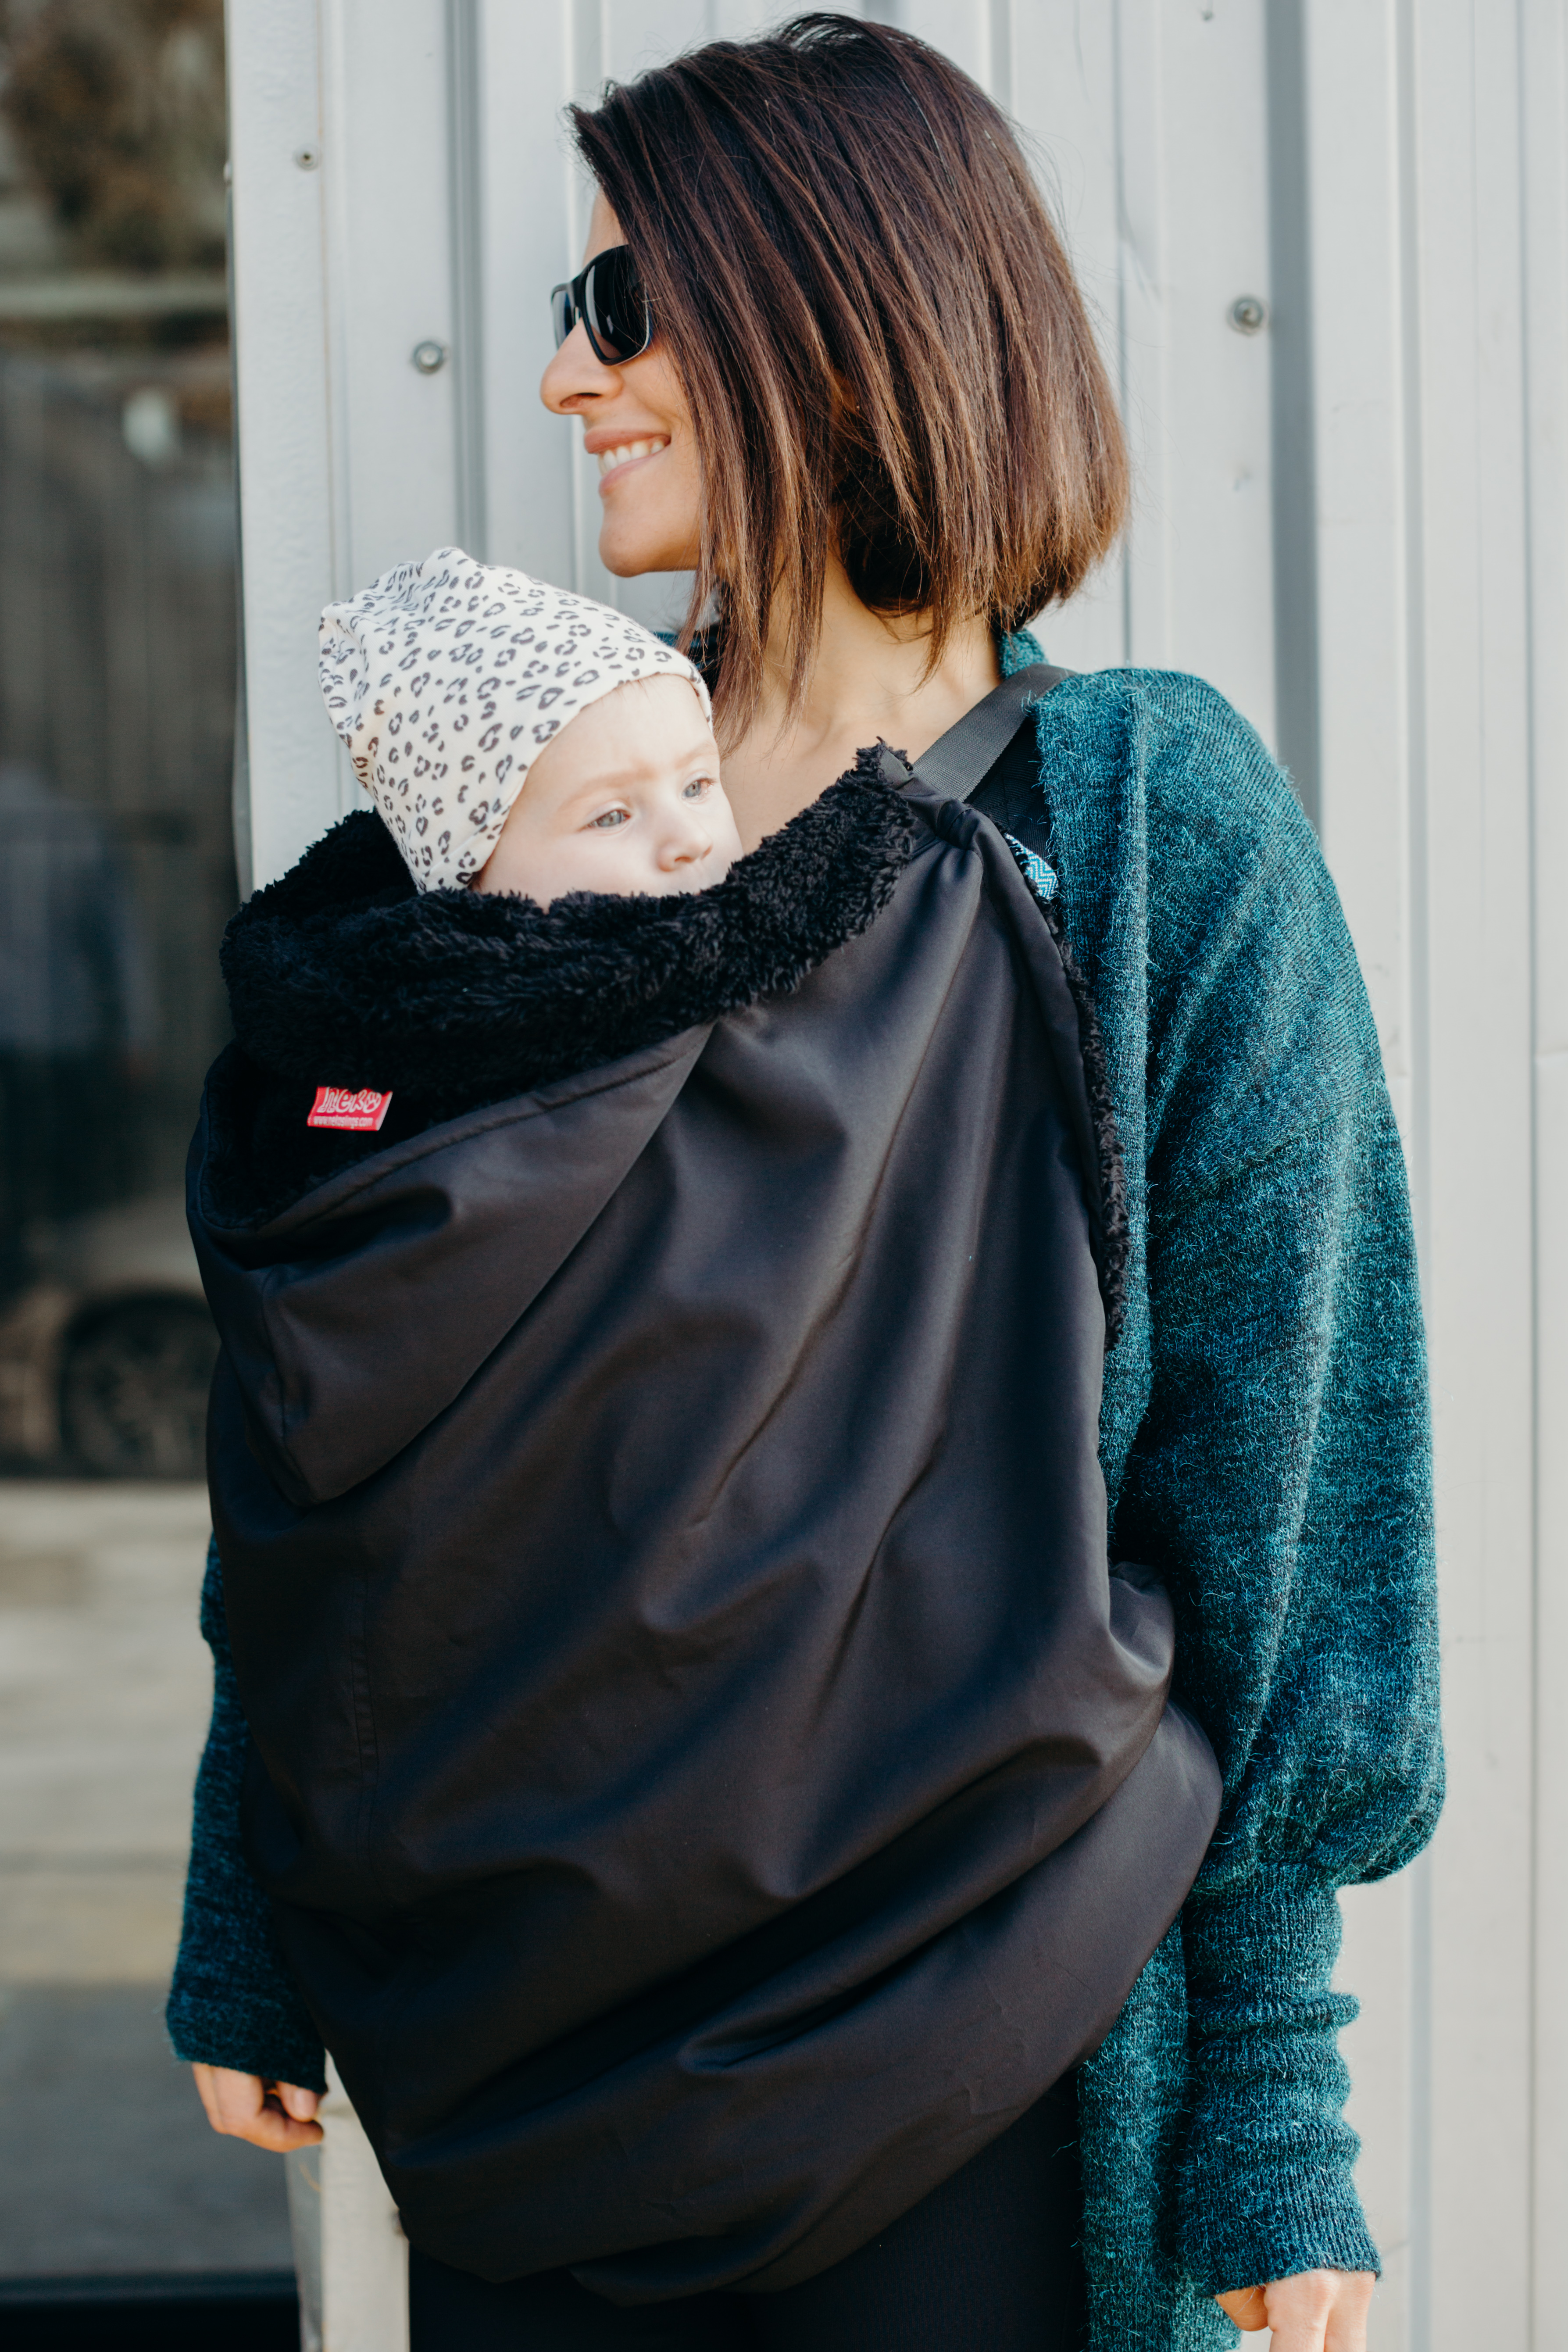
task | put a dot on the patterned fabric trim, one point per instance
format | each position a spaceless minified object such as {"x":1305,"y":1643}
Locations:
{"x":1040,"y":876}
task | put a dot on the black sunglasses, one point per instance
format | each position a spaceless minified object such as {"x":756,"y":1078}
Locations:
{"x":608,"y":298}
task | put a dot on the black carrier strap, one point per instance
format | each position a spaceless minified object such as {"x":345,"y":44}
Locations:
{"x":959,"y":762}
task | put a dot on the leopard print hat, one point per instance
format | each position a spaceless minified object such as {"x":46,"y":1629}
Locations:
{"x":446,"y":677}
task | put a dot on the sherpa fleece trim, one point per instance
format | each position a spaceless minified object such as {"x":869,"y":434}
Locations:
{"x":343,"y":974}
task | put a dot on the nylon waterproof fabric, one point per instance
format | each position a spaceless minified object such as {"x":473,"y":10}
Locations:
{"x":709,"y":1780}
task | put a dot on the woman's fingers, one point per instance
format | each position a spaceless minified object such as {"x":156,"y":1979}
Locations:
{"x":1299,"y":2310}
{"x":242,"y":2107}
{"x":302,"y":2104}
{"x":1318,"y":2311}
{"x":1347,"y":2325}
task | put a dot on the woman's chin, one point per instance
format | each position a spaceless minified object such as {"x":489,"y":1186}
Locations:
{"x":626,"y":552}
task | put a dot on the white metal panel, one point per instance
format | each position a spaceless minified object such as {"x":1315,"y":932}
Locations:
{"x":283,"y":408}
{"x":1064,"y":100}
{"x":1363,"y":520}
{"x":1151,"y":120}
{"x":1362,"y":451}
{"x":526,"y":246}
{"x":965,"y":30}
{"x":1146,"y":353}
{"x":388,"y":174}
{"x":1474,"y":1094}
{"x":1544,"y":152}
{"x":1217,"y":470}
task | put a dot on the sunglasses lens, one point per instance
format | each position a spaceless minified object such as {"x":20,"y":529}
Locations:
{"x":615,"y":305}
{"x":563,"y":317}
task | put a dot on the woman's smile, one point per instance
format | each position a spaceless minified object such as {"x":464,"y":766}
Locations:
{"x":617,"y":454}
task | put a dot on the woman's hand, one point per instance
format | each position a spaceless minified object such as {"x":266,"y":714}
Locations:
{"x":279,"y":2116}
{"x":1317,"y":2311}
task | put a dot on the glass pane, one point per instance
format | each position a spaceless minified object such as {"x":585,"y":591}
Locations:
{"x":117,"y":691}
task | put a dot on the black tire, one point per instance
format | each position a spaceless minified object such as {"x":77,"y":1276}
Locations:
{"x":133,"y":1389}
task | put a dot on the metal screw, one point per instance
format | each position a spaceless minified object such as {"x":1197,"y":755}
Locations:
{"x":1249,"y":314}
{"x":307,"y":158}
{"x":429,"y":356}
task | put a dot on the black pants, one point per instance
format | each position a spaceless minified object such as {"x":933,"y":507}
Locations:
{"x":987,"y":2263}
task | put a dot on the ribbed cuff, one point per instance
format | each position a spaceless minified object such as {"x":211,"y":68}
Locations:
{"x":1266,"y":2188}
{"x":1232,"y":2237}
{"x":252,"y":2037}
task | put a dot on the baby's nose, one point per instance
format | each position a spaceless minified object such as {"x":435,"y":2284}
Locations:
{"x":687,"y":840}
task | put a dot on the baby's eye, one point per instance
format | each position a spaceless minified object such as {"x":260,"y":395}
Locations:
{"x":700,"y":788}
{"x":611,"y":817}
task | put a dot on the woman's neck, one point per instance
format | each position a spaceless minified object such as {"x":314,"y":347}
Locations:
{"x":868,"y":679}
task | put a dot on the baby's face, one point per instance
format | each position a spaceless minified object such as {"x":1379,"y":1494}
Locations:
{"x":626,"y":799}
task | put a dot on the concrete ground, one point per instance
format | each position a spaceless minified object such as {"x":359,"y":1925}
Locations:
{"x":107,"y":2166}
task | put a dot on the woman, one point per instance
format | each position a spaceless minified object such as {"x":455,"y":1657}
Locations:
{"x":833,"y":360}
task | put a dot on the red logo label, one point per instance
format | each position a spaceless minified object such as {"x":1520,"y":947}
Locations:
{"x":357,"y":1107}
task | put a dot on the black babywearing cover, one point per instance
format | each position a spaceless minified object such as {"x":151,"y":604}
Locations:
{"x":710,"y":1779}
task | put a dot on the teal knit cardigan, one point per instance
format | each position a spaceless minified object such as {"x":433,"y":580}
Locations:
{"x":1265,"y":1445}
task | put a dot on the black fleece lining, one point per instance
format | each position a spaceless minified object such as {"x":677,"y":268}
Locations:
{"x":343,"y":974}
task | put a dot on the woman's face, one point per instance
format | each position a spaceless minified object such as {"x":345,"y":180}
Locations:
{"x":637,"y":426}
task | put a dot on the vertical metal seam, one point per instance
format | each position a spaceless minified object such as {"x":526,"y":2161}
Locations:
{"x":1414,"y":556}
{"x":1118,"y":133}
{"x":464,"y":135}
{"x":239,"y":767}
{"x":588,"y":52}
{"x":1535,"y":2317}
{"x":1001,"y":32}
{"x":1292,"y":408}
{"x":331,"y":83}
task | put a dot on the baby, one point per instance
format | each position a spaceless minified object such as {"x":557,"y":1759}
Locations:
{"x":455,"y":684}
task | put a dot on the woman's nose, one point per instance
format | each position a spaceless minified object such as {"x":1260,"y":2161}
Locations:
{"x":575,"y":374}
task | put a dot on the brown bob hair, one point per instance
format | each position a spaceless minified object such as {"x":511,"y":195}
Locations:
{"x":883,"y":346}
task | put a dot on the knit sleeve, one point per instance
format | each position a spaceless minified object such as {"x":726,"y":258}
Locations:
{"x":233,"y":2002}
{"x":1280,"y":1478}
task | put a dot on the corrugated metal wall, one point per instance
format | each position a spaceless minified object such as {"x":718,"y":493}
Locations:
{"x":1354,"y":520}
